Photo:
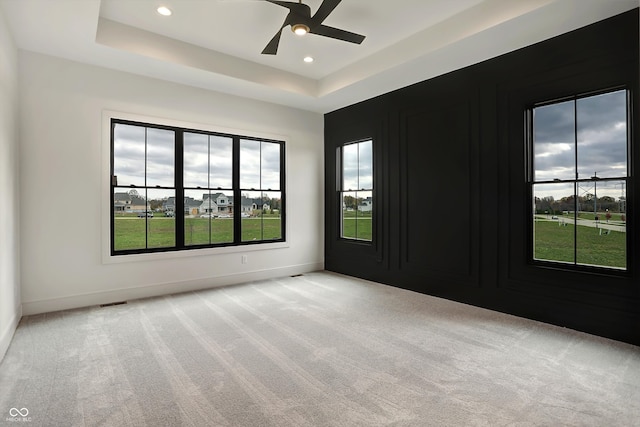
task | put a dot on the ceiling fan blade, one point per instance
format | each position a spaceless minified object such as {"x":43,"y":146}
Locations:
{"x":272,"y":47}
{"x":323,"y":11}
{"x":336,"y":33}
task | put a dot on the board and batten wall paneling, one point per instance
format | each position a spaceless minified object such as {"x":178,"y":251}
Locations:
{"x":456,"y":213}
{"x":439,"y":194}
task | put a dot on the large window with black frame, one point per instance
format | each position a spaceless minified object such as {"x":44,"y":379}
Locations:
{"x":174,"y":188}
{"x":356,"y":190}
{"x":578,"y":178}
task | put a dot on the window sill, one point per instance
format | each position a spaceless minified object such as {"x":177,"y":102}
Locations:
{"x":159,"y":256}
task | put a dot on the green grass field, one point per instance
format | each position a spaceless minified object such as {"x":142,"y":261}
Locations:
{"x":552,"y":242}
{"x":131,"y":232}
{"x":555,"y":243}
{"x":356,"y":225}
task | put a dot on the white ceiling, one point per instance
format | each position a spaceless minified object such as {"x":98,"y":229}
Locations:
{"x":216,"y":44}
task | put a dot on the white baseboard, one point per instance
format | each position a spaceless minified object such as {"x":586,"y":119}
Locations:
{"x":7,"y":335}
{"x":146,"y":291}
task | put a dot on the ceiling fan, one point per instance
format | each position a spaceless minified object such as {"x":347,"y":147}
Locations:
{"x":302,"y":22}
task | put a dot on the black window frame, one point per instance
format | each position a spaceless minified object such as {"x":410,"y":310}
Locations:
{"x":180,"y":190}
{"x":341,"y":191}
{"x":531,"y":183}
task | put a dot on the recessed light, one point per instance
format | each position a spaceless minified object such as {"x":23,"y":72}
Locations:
{"x":164,"y":11}
{"x":308,"y":59}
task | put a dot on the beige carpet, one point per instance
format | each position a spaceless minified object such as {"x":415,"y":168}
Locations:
{"x":316,"y":350}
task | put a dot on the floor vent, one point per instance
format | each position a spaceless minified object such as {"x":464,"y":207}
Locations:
{"x":113,"y":303}
{"x":297,"y":275}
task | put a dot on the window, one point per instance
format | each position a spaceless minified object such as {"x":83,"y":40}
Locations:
{"x":260,"y":183}
{"x":208,"y":188}
{"x":356,"y":190}
{"x":176,"y":189}
{"x":579,"y":176}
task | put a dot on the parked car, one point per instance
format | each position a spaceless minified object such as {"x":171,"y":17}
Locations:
{"x":169,"y":214}
{"x":245,"y":215}
{"x":224,"y":216}
{"x":147,"y":214}
{"x":208,"y":215}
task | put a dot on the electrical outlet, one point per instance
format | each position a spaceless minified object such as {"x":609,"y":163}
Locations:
{"x":244,"y":259}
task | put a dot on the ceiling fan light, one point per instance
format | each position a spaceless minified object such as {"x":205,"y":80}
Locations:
{"x":300,"y":29}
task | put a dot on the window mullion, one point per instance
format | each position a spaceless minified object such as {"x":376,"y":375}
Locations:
{"x":237,"y":192}
{"x":113,"y":188}
{"x":146,"y":195}
{"x":575,"y":186}
{"x":261,"y":194}
{"x":179,"y":188}
{"x":208,"y":210}
{"x":357,"y":188}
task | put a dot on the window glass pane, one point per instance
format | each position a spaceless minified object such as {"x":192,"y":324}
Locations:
{"x":223,"y":210}
{"x":365,"y":165}
{"x":130,"y":219}
{"x":554,"y":141}
{"x":350,"y":167}
{"x":161,"y":230}
{"x":602,"y":135}
{"x":349,"y":214}
{"x":553,"y":222}
{"x":198,"y":214}
{"x":261,"y":216}
{"x":221,"y":162}
{"x":209,"y":218}
{"x":270,"y":166}
{"x":129,"y":154}
{"x":271,"y":220}
{"x":160,"y":157}
{"x":252,"y":224}
{"x":249,"y":164}
{"x":196,"y":155}
{"x":363,"y":215}
{"x":601,"y":232}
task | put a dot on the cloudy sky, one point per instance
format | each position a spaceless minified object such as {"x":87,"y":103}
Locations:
{"x":129,"y":156}
{"x":600,"y":143}
{"x":259,"y":165}
{"x":208,"y":161}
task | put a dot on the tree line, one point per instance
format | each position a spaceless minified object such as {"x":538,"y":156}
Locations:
{"x":587,"y":203}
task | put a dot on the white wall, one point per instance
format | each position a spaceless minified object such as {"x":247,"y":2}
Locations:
{"x":64,"y":195}
{"x":9,"y":194}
